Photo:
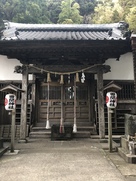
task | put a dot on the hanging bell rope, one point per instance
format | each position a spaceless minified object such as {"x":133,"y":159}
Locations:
{"x":61,"y":79}
{"x":69,"y":79}
{"x":77,"y":77}
{"x":48,"y":77}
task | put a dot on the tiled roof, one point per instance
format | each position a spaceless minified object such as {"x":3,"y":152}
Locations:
{"x":17,"y":31}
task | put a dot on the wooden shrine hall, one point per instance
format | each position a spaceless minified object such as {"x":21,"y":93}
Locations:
{"x":65,"y":61}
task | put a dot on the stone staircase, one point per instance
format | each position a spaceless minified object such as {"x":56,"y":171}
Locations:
{"x":3,"y":148}
{"x":83,"y":131}
{"x":5,"y":131}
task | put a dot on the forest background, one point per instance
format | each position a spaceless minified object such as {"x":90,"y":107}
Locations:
{"x":69,"y":11}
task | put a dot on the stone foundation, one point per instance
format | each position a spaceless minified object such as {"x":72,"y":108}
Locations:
{"x":128,"y":150}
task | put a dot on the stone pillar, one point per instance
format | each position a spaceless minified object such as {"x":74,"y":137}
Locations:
{"x":100,"y":103}
{"x":24,"y":100}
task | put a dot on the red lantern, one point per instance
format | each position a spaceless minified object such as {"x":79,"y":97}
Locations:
{"x":111,"y":99}
{"x":10,"y":102}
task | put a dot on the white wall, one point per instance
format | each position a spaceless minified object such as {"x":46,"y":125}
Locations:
{"x":7,"y":69}
{"x":122,"y":69}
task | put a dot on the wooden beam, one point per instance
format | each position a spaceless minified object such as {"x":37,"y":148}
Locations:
{"x":100,"y":104}
{"x":24,"y":100}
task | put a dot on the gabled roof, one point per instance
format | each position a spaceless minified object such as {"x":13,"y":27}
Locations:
{"x":18,"y":31}
{"x":69,"y":44}
{"x":111,"y":86}
{"x":11,"y":88}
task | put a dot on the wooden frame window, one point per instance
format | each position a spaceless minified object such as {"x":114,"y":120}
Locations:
{"x":55,"y":92}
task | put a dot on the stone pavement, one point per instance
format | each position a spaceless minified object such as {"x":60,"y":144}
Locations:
{"x":75,"y":160}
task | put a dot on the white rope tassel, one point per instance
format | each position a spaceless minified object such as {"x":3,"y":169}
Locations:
{"x":48,"y":124}
{"x":77,"y":77}
{"x":61,"y":79}
{"x":48,"y":77}
{"x":83,"y":77}
{"x":74,"y":128}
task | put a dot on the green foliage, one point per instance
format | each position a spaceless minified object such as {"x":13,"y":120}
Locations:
{"x":131,"y":19}
{"x":86,"y":6}
{"x":121,"y":10}
{"x":54,"y":9}
{"x":8,"y":8}
{"x":104,"y":12}
{"x":31,"y":12}
{"x":45,"y":11}
{"x":87,"y":9}
{"x":70,"y":13}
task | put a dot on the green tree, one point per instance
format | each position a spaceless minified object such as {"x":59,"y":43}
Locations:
{"x":108,"y":12}
{"x":127,"y":5}
{"x":32,"y":12}
{"x":131,"y":19}
{"x":86,"y":6}
{"x":87,"y":9}
{"x":54,"y":9}
{"x":70,"y":13}
{"x":26,"y":11}
{"x":8,"y":9}
{"x":103,"y":12}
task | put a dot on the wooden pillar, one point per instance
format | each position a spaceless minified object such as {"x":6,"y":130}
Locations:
{"x":100,"y":103}
{"x":133,"y":45}
{"x":24,"y":100}
{"x":91,"y":96}
{"x":134,"y":67}
{"x":33,"y":101}
{"x":62,"y":110}
{"x":37,"y":95}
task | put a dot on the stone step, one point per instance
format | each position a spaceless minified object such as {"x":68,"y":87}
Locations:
{"x":86,"y":128}
{"x":40,"y":134}
{"x":37,"y":129}
{"x":43,"y":124}
{"x":81,"y":134}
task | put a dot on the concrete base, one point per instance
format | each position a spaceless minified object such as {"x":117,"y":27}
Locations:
{"x":11,"y":153}
{"x":124,"y":151}
{"x":127,"y":157}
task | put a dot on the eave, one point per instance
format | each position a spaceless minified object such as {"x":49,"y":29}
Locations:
{"x":71,"y":51}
